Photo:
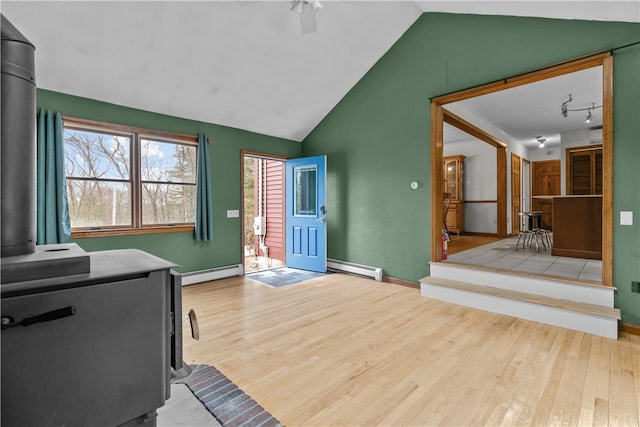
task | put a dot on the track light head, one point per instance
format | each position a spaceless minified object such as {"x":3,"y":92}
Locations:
{"x":564,"y":108}
{"x":589,"y":117}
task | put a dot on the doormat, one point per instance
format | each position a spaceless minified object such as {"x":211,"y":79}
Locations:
{"x":224,"y":400}
{"x":283,"y":276}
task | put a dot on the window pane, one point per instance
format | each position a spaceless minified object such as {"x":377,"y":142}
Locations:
{"x":305,"y":190}
{"x":99,"y":203}
{"x":168,"y":203}
{"x":96,"y":155}
{"x":167,"y":162}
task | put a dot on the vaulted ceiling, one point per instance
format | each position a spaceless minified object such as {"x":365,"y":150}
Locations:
{"x":243,"y":64}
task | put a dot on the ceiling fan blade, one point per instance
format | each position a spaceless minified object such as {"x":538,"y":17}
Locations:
{"x":308,"y":20}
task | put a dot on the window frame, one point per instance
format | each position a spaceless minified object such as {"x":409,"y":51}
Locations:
{"x":136,"y":134}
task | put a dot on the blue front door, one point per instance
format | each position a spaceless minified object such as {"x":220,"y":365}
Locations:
{"x":306,"y":214}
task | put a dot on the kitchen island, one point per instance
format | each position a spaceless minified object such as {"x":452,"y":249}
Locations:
{"x":577,"y":226}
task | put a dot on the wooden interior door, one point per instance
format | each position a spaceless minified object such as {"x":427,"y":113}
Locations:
{"x":516,"y":185}
{"x":546,"y":178}
{"x":545,"y":182}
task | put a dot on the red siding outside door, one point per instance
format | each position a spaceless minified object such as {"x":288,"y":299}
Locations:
{"x":272,"y":206}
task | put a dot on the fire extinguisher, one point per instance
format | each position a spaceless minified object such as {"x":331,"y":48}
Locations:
{"x":444,"y":247}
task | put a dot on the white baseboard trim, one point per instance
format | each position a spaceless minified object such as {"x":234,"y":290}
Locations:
{"x":359,"y":269}
{"x":194,"y":277}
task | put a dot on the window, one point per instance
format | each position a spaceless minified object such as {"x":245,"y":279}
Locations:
{"x":305,"y":191}
{"x":123,"y":180}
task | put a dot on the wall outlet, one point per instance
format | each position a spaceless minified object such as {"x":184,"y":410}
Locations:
{"x":635,"y":287}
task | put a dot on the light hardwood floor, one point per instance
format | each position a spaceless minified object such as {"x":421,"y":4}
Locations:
{"x":347,"y":351}
{"x":464,"y":242}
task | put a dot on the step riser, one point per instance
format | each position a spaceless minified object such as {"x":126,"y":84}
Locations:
{"x":531,"y":285}
{"x":591,"y":324}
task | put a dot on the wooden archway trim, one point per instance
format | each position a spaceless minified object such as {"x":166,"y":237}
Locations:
{"x":465,"y":126}
{"x":437,"y":119}
{"x":523,"y":79}
{"x":501,"y":164}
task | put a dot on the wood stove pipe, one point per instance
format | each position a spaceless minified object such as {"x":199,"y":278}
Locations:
{"x":18,"y":142}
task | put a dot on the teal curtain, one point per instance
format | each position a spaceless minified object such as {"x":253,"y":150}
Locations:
{"x":52,"y":205}
{"x":204,"y":204}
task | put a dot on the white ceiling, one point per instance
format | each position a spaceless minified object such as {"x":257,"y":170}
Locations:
{"x":525,"y":112}
{"x":242,"y":64}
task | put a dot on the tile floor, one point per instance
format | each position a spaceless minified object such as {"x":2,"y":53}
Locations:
{"x":502,"y":254}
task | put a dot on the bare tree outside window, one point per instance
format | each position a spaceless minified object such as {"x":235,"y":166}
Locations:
{"x":168,"y":182}
{"x":98,"y":179}
{"x":127,"y":180}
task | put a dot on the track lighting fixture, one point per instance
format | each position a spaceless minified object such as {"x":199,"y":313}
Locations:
{"x":564,"y":109}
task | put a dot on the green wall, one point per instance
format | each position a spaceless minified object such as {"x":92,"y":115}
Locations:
{"x":377,"y":138}
{"x":226,"y":144}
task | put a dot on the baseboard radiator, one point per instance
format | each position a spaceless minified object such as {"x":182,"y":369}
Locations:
{"x":359,"y":269}
{"x":212,"y":274}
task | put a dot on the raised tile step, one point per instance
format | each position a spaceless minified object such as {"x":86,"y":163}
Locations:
{"x":584,"y":291}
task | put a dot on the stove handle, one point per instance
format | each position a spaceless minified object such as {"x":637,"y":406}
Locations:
{"x":44,"y":317}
